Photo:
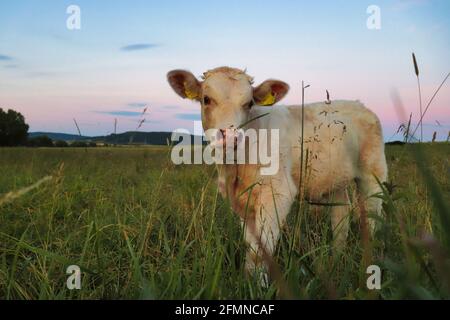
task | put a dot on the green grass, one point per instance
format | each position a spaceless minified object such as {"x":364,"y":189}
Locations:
{"x":140,"y":227}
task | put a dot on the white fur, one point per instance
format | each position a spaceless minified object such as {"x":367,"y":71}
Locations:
{"x":344,"y":144}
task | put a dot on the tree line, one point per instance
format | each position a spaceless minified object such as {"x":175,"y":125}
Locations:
{"x":14,"y":132}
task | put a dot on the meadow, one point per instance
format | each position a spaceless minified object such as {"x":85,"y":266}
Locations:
{"x":142,"y":228}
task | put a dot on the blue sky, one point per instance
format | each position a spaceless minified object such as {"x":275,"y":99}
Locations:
{"x":116,"y":64}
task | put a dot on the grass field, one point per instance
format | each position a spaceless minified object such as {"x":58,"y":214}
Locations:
{"x":140,"y":227}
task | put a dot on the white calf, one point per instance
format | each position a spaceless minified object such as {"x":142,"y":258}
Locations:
{"x":342,"y":144}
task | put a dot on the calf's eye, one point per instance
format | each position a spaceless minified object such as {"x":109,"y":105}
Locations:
{"x":206,"y":100}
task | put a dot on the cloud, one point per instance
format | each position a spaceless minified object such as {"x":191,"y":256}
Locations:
{"x":171,"y":107}
{"x":11,"y":66}
{"x":147,"y":121}
{"x":402,"y":5}
{"x":137,"y":104}
{"x":188,"y":116}
{"x":436,"y":125}
{"x":5,"y":57}
{"x":121,"y":113}
{"x":139,"y":46}
{"x":46,"y":74}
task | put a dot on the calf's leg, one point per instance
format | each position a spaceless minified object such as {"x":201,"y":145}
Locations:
{"x":340,"y":213}
{"x":372,"y":164}
{"x":262,"y":228}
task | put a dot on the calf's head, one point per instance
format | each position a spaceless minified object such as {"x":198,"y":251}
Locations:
{"x":226,"y":95}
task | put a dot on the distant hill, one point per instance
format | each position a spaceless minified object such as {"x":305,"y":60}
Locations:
{"x":155,"y":138}
{"x":131,"y":137}
{"x":396,"y":142}
{"x":58,"y":136}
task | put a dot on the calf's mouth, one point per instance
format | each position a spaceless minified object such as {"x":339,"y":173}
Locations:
{"x":229,"y":138}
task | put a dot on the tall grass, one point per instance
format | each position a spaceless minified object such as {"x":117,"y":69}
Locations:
{"x":416,"y":71}
{"x":422,"y":113}
{"x":140,"y":227}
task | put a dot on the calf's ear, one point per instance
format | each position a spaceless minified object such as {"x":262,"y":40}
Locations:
{"x":270,"y":92}
{"x":184,"y":84}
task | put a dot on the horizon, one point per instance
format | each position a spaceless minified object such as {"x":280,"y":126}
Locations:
{"x":116,"y":64}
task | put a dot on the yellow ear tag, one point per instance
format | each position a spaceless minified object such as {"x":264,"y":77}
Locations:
{"x":190,"y":94}
{"x":268,"y":100}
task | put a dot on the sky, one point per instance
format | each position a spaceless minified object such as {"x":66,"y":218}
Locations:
{"x":116,"y":63}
